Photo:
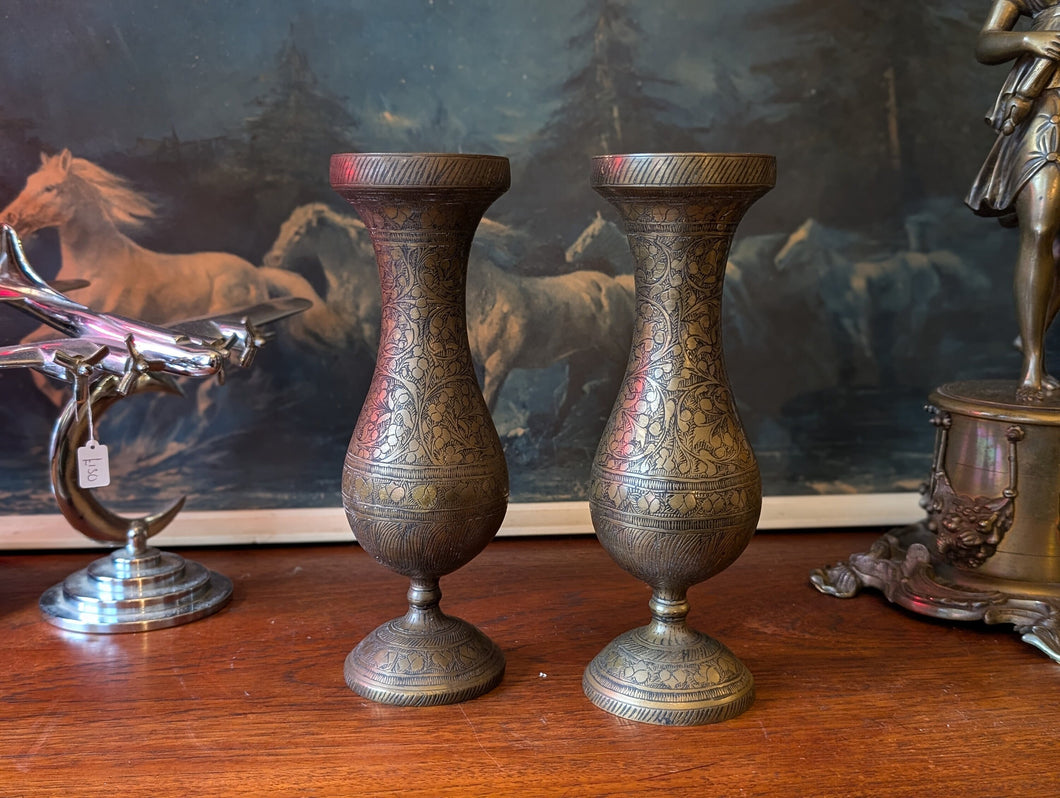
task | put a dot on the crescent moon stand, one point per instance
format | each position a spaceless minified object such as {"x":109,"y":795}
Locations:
{"x":136,"y":588}
{"x":989,"y":549}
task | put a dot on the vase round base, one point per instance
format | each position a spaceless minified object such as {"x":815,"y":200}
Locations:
{"x":654,"y":676}
{"x":417,"y":661}
{"x":135,"y":592}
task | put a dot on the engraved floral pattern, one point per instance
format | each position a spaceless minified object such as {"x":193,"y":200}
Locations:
{"x":424,"y":406}
{"x":376,"y":492}
{"x":425,"y":484}
{"x":675,"y":414}
{"x":675,"y":489}
{"x":687,"y":676}
{"x":409,"y":663}
{"x":671,"y":500}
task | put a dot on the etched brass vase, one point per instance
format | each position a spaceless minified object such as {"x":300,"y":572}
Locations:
{"x":675,"y":492}
{"x":425,"y":485}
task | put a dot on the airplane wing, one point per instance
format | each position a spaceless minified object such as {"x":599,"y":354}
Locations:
{"x":62,"y":286}
{"x":56,"y":357}
{"x":23,"y":356}
{"x":220,"y":326}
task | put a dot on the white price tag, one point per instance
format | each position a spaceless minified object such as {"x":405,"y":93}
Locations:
{"x":93,"y":465}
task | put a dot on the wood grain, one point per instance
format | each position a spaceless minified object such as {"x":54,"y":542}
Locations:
{"x":854,"y":697}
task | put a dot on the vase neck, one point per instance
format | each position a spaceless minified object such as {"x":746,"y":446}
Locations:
{"x":429,"y":277}
{"x":422,"y":242}
{"x":424,"y":406}
{"x":422,"y":253}
{"x":675,"y":414}
{"x":679,"y":273}
{"x":695,"y":210}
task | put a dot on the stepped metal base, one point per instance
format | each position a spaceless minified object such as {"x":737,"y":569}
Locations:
{"x":905,"y":566}
{"x":135,"y":592}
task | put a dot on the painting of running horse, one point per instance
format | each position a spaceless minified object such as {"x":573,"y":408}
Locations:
{"x":580,"y":317}
{"x":177,"y":161}
{"x":90,"y":207}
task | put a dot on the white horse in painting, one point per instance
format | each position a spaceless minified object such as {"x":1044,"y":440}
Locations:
{"x":316,"y":237}
{"x":90,"y":206}
{"x":584,"y":317}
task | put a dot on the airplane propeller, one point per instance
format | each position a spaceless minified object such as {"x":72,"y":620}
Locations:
{"x":138,"y":365}
{"x":255,"y":339}
{"x":79,"y":366}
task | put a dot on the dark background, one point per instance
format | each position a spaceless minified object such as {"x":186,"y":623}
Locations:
{"x":856,"y":286}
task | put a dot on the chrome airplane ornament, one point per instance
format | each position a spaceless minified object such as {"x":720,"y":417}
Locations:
{"x":107,"y":357}
{"x":126,"y":347}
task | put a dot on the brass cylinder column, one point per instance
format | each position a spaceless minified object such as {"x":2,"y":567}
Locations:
{"x":980,"y":417}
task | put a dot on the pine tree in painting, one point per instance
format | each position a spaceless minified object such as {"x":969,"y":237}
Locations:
{"x":606,"y":107}
{"x":856,"y":85}
{"x":299,"y":124}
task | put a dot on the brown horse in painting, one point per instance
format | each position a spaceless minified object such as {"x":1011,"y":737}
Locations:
{"x":91,"y":206}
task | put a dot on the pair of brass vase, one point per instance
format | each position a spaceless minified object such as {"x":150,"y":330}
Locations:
{"x":675,"y":492}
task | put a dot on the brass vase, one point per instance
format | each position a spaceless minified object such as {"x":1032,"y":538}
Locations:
{"x":425,"y":485}
{"x":675,"y":492}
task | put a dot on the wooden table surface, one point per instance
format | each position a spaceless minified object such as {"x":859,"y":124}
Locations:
{"x":855,"y":697}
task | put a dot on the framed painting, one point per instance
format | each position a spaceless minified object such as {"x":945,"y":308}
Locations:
{"x":204,"y":129}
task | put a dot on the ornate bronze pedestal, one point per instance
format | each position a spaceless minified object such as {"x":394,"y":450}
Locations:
{"x":989,"y":549}
{"x":137,"y":588}
{"x":425,"y":485}
{"x":675,"y":492}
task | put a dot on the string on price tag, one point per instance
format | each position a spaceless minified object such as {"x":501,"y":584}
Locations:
{"x":93,"y":459}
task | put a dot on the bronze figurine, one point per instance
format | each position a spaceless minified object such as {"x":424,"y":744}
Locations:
{"x":675,"y":492}
{"x":1020,"y":180}
{"x":425,"y":484}
{"x":989,"y":547}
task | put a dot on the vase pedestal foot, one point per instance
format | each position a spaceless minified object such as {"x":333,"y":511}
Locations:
{"x":424,"y":659}
{"x":669,"y":678}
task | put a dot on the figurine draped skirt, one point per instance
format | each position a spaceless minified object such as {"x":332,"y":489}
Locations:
{"x":1026,"y":144}
{"x":1016,"y":158}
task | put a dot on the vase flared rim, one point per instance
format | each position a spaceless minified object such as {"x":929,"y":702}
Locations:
{"x":396,"y":170}
{"x":677,"y":169}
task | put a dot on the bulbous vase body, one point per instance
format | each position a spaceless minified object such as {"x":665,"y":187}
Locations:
{"x":675,"y":492}
{"x":424,"y":485}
